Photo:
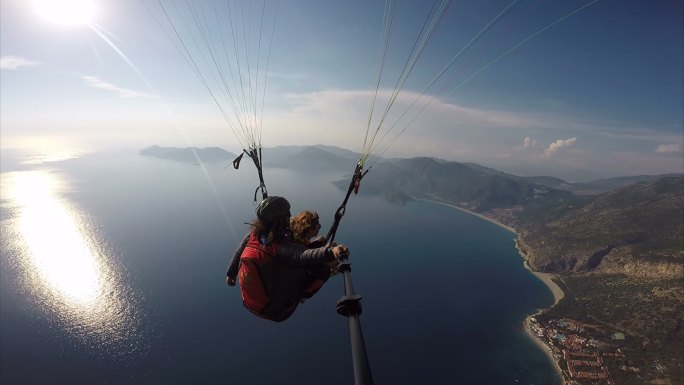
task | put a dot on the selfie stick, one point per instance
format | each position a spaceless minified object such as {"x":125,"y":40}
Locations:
{"x":349,"y":305}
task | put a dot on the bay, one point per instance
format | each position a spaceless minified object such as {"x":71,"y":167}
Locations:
{"x":444,"y":292}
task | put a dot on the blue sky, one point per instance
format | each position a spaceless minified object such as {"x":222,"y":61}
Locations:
{"x":599,"y":94}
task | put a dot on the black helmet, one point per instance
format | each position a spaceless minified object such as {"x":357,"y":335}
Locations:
{"x":272,"y":208}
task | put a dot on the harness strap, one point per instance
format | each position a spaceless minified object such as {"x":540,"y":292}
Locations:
{"x":256,"y":158}
{"x":236,"y":161}
{"x":353,"y":187}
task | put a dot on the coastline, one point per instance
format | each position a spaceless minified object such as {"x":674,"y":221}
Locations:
{"x":488,"y":219}
{"x":544,"y":347}
{"x":546,"y":278}
{"x":558,"y":294}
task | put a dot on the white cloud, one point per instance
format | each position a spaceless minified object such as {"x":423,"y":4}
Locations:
{"x":92,"y":81}
{"x":457,"y":132}
{"x":343,"y":116}
{"x":559,"y":144}
{"x":529,"y":142}
{"x":668,"y":148}
{"x":11,"y":62}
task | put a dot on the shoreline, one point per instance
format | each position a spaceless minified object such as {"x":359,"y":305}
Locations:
{"x":543,"y":347}
{"x":558,"y":294}
{"x":488,"y":219}
{"x":546,"y":278}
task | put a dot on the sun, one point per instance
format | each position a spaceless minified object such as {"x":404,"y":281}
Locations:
{"x":67,"y":12}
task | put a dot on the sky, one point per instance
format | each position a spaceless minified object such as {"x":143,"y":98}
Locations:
{"x":598,"y":93}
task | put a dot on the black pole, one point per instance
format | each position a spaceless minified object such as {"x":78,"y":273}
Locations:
{"x":349,"y":305}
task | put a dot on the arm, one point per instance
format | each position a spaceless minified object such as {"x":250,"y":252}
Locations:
{"x":317,"y":242}
{"x":235,"y":262}
{"x":295,"y":254}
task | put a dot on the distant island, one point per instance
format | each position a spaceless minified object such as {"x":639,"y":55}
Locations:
{"x":190,"y":155}
{"x":615,"y":247}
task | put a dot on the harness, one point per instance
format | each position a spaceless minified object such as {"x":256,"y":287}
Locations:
{"x":266,"y":283}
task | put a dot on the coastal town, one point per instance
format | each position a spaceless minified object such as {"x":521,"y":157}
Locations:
{"x":590,"y":351}
{"x":593,"y":351}
{"x":590,"y":354}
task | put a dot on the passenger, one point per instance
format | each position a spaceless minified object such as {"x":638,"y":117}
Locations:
{"x":276,"y":273}
{"x":305,"y":226}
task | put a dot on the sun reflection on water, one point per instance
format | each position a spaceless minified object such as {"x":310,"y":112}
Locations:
{"x":64,"y":264}
{"x":56,"y":244}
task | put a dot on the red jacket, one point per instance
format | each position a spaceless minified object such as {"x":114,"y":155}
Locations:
{"x":275,"y":277}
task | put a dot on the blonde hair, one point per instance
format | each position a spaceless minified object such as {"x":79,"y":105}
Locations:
{"x":302,"y":223}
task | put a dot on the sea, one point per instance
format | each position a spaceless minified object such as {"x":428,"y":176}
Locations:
{"x":113,"y":272}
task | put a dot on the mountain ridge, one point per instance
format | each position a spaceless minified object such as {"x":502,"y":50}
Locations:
{"x":277,"y":157}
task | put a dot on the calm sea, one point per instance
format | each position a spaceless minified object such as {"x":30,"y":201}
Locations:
{"x":113,"y":266}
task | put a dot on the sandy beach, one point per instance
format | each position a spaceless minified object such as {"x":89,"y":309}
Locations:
{"x":545,"y":348}
{"x":546,"y":278}
{"x":441,"y":202}
{"x":558,"y":294}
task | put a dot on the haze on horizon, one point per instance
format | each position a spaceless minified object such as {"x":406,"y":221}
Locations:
{"x":600,"y":94}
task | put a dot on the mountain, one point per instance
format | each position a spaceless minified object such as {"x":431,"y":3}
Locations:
{"x":471,"y":187}
{"x":278,"y":156}
{"x":634,"y":230}
{"x":620,"y":260}
{"x":341,"y":152}
{"x":189,"y":154}
{"x":547,"y":181}
{"x":317,"y":158}
{"x":584,"y":188}
{"x":462,"y":185}
{"x":608,"y":184}
{"x":310,"y":158}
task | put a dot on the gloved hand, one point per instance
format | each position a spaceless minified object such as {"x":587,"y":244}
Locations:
{"x":230,"y":281}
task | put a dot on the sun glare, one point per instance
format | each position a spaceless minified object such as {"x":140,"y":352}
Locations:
{"x":67,"y":12}
{"x":64,"y":265}
{"x":61,"y":252}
